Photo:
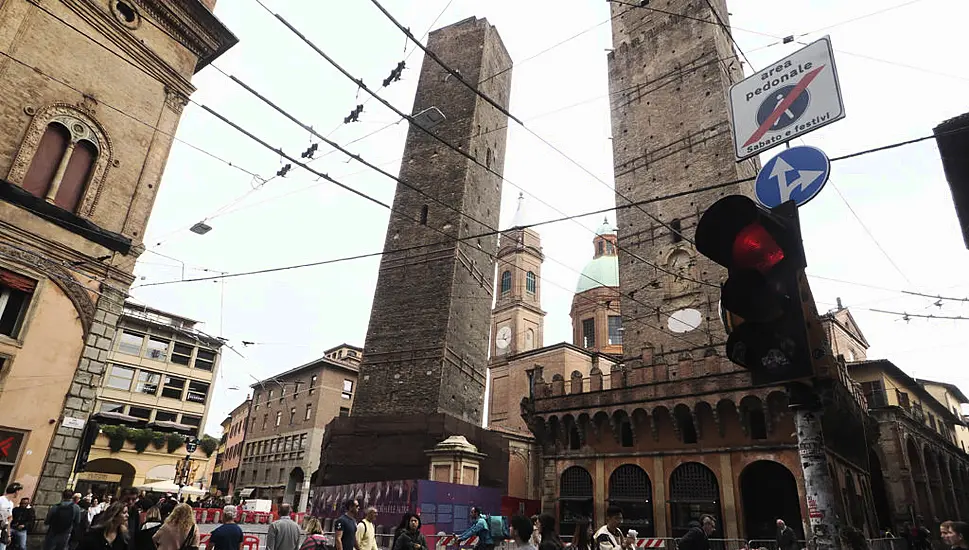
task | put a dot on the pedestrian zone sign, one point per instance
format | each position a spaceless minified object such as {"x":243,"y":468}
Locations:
{"x":787,"y":99}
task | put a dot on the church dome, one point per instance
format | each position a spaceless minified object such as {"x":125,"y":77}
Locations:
{"x":606,"y":228}
{"x":602,"y":271}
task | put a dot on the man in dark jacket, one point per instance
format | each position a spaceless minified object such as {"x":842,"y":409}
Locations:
{"x":786,"y":538}
{"x":698,"y":538}
{"x":21,"y":524}
{"x":61,"y":521}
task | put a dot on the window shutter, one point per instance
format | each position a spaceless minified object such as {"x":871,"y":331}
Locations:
{"x":17,"y":282}
{"x":76,"y":176}
{"x":46,"y":159}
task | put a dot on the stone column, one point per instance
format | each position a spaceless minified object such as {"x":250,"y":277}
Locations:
{"x":79,"y":401}
{"x":304,"y":498}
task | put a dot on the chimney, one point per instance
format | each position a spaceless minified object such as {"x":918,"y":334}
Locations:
{"x":840,"y":307}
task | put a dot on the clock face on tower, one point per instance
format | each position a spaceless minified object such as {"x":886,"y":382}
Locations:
{"x":503,"y":339}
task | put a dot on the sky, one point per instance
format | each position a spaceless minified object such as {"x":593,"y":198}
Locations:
{"x":885,"y":223}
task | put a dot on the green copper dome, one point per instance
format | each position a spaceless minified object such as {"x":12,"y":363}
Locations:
{"x":602,"y":271}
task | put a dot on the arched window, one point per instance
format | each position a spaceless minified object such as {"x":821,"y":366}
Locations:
{"x":63,"y":158}
{"x":506,"y":282}
{"x":530,"y":283}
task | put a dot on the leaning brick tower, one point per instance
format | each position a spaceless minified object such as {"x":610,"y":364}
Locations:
{"x":669,"y":73}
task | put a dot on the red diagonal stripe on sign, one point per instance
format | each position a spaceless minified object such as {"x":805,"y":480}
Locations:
{"x":783,"y":105}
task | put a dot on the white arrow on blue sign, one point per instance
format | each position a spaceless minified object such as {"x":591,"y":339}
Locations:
{"x":796,"y":174}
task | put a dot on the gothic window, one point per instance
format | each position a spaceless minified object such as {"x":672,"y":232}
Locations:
{"x":600,"y":247}
{"x":615,"y":330}
{"x":63,"y":158}
{"x":610,"y":248}
{"x":505,"y":282}
{"x":530,"y":282}
{"x":589,"y":333}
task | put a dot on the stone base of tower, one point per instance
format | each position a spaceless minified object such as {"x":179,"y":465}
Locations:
{"x":361,"y":449}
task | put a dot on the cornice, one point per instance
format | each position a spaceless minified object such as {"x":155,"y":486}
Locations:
{"x":193,"y":25}
{"x":140,"y":54}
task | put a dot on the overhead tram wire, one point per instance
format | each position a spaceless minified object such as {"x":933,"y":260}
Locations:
{"x":444,"y":142}
{"x":567,"y":218}
{"x":505,"y":112}
{"x":376,"y":168}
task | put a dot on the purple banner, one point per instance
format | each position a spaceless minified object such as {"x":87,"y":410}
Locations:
{"x":443,"y":507}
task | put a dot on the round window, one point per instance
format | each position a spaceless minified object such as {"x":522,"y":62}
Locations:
{"x":126,"y":13}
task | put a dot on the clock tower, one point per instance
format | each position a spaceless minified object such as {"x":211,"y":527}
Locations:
{"x":517,"y":319}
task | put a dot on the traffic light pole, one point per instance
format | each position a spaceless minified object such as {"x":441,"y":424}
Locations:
{"x":818,"y":485}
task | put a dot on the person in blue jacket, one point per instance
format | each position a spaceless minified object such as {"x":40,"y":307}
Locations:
{"x":479,"y":528}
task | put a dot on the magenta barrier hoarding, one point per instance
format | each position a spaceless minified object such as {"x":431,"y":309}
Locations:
{"x":443,"y":507}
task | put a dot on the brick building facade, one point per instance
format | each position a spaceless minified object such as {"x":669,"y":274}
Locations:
{"x":286,"y":422}
{"x":92,"y":93}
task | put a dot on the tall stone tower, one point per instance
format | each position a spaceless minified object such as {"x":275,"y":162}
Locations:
{"x":668,"y":78}
{"x":517,"y":323}
{"x":425,"y":357}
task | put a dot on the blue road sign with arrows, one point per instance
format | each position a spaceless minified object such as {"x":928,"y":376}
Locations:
{"x":796,"y":174}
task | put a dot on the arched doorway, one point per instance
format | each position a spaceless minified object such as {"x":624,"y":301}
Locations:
{"x":918,"y":479}
{"x":768,"y":492}
{"x":694,"y":491}
{"x":105,"y":476}
{"x":294,"y":489}
{"x":629,"y":488}
{"x":575,"y":498}
{"x":879,"y":492}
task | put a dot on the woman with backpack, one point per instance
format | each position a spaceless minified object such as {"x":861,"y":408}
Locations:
{"x":179,"y":531}
{"x":109,"y":532}
{"x":408,"y":535}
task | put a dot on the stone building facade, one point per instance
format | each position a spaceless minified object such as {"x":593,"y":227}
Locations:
{"x":286,"y":422}
{"x":668,"y":81}
{"x":669,"y":442}
{"x":424,"y":371}
{"x":91,"y":95}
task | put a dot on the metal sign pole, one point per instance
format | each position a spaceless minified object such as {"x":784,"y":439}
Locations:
{"x":818,"y":485}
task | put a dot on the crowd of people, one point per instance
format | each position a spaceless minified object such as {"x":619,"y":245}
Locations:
{"x":138,"y":521}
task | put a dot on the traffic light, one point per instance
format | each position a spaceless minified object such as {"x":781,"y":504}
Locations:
{"x":764,"y":257}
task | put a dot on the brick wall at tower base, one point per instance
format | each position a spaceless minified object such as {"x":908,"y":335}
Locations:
{"x":381,"y":448}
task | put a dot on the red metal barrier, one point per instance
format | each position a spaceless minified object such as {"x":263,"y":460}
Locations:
{"x":204,"y":539}
{"x":250,"y":542}
{"x":198,"y":515}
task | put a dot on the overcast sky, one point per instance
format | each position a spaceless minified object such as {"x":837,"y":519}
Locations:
{"x":897,"y":200}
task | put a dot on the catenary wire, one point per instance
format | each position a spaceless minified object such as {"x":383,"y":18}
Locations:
{"x":505,"y":112}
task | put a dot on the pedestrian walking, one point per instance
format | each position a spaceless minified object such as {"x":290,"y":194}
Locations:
{"x":955,"y":534}
{"x":610,"y":536}
{"x":786,"y":538}
{"x":283,"y":533}
{"x":550,"y":539}
{"x":698,"y":538}
{"x":129,"y":497}
{"x":345,"y":526}
{"x":109,"y":531}
{"x":366,"y":532}
{"x":536,"y":537}
{"x":144,"y":536}
{"x":314,"y":536}
{"x":522,"y":530}
{"x":6,"y":512}
{"x":229,"y":535}
{"x":408,"y":535}
{"x":61,"y":521}
{"x":479,"y":528}
{"x":83,"y":524}
{"x":582,"y":537}
{"x":22,"y":523}
{"x":179,"y":531}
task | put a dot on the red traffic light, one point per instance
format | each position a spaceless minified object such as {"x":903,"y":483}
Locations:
{"x":737,"y":233}
{"x":755,"y":248}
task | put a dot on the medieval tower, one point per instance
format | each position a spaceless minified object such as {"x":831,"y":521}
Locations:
{"x":425,"y":358}
{"x":668,"y":78}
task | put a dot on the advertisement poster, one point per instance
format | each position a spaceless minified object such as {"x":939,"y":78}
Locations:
{"x":443,"y":507}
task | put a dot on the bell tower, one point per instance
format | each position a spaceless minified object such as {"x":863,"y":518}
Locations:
{"x":669,"y":72}
{"x":517,"y":320}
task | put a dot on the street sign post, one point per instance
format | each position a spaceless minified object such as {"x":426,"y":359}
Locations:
{"x":790,"y":98}
{"x":796,"y":174}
